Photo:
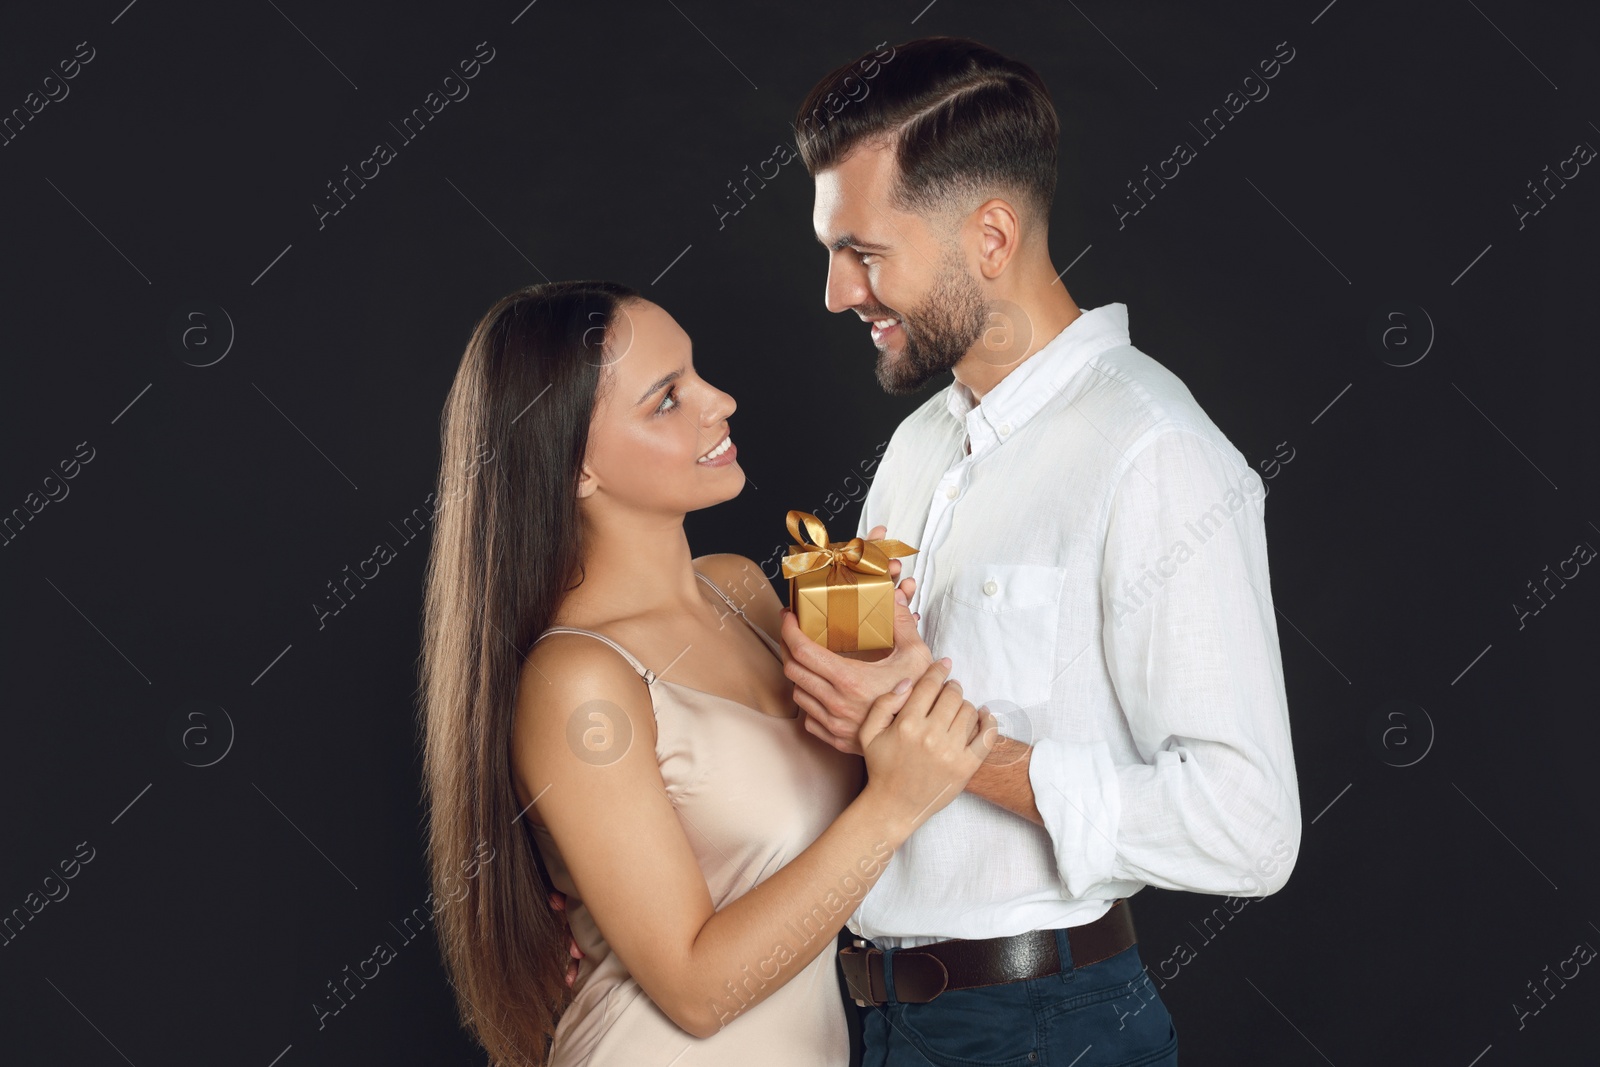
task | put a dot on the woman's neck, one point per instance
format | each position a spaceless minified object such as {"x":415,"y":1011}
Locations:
{"x":635,"y":565}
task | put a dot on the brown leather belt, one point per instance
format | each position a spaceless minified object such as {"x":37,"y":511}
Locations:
{"x":922,"y":973}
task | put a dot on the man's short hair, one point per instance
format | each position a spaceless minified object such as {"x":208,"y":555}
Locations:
{"x":965,"y":122}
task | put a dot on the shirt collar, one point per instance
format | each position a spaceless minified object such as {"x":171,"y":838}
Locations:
{"x":1020,"y":395}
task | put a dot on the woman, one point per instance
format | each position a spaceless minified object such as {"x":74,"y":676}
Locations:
{"x":710,"y":848}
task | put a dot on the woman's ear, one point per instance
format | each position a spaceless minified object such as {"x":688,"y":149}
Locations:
{"x":587,"y":482}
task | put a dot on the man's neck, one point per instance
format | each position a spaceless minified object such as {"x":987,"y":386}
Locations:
{"x":999,"y":351}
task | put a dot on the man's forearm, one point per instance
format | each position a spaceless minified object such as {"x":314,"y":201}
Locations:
{"x":1002,"y":779}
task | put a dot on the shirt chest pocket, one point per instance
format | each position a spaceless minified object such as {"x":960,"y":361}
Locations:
{"x":997,"y":623}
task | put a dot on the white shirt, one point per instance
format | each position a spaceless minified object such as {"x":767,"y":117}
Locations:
{"x":1096,"y":569}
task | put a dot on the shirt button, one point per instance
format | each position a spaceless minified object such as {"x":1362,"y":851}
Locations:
{"x":951,"y":492}
{"x":1004,"y":428}
{"x":991,"y":587}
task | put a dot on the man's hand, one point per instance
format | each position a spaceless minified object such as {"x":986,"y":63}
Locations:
{"x":558,"y":902}
{"x":836,"y":690}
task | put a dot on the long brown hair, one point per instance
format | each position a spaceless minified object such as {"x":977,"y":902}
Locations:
{"x":506,"y":549}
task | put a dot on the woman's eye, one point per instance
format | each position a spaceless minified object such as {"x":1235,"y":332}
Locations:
{"x":668,"y":402}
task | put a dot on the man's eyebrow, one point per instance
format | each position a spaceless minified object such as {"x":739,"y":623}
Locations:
{"x":850,"y":240}
{"x":664,"y":381}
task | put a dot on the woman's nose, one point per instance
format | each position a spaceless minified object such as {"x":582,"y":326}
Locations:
{"x":721,"y":407}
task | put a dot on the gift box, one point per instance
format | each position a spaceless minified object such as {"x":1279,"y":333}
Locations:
{"x":841,"y":594}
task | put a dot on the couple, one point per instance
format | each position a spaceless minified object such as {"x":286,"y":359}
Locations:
{"x":716,"y":796}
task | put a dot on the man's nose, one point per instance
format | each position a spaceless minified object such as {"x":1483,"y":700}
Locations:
{"x":847,"y":286}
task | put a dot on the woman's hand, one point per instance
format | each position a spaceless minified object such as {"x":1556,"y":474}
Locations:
{"x":923,"y":741}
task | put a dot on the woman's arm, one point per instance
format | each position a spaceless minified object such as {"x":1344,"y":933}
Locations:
{"x":632,"y":864}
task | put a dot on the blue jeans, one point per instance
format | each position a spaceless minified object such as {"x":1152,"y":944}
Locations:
{"x":1107,"y":1014}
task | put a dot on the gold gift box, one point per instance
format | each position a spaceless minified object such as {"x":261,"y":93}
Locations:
{"x":841,"y":594}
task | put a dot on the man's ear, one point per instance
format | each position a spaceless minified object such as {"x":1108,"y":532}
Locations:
{"x":999,"y":230}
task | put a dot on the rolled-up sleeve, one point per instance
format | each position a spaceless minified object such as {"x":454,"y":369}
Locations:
{"x":1191,"y":644}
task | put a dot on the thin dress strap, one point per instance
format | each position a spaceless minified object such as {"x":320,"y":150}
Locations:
{"x":644,"y":672}
{"x":726,"y":599}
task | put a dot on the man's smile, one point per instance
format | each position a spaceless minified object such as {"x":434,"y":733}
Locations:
{"x":883,"y":327}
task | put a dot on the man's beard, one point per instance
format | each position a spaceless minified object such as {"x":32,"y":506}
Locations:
{"x":938,"y":332}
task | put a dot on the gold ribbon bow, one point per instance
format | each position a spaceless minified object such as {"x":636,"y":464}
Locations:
{"x":857,"y":554}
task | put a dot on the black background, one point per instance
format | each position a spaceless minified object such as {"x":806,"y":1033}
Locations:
{"x":179,"y":573}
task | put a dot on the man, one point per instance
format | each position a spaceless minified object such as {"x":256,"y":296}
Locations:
{"x":1092,"y":557}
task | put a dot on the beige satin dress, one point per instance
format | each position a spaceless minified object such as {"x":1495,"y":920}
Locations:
{"x":752,"y":791}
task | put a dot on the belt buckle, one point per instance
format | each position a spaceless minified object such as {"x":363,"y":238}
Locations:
{"x":862,"y":945}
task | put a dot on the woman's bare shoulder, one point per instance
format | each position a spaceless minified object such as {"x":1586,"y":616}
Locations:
{"x":566,"y":679}
{"x":746,"y":585}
